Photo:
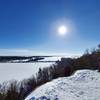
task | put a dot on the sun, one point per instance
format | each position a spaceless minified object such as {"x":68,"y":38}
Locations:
{"x":62,"y":30}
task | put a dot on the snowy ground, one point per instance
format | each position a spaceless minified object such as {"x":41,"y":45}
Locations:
{"x":83,"y":85}
{"x":51,"y":59}
{"x":19,"y":71}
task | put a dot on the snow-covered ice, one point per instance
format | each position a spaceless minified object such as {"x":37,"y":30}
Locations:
{"x":83,"y":85}
{"x":19,"y":71}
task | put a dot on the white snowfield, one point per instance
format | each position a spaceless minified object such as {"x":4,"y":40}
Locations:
{"x":83,"y":85}
{"x":51,"y":59}
{"x":20,"y":71}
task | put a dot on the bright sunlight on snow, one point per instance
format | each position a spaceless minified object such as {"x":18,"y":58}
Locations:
{"x":83,"y":85}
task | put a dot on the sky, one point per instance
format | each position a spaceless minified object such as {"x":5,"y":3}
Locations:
{"x":31,"y":26}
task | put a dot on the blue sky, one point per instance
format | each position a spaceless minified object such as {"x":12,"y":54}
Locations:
{"x":31,"y":25}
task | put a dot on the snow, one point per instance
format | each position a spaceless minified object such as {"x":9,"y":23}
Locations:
{"x":19,"y":71}
{"x":51,"y":59}
{"x":83,"y":85}
{"x":18,"y":61}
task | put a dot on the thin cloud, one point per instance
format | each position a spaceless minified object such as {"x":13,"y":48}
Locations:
{"x":28,"y":52}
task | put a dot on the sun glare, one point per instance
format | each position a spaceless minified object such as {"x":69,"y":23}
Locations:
{"x":62,"y":30}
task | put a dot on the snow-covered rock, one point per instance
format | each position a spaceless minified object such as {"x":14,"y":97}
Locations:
{"x":83,"y":85}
